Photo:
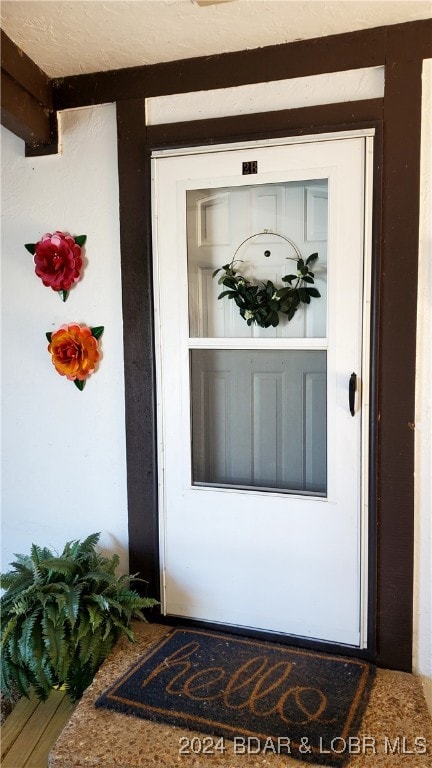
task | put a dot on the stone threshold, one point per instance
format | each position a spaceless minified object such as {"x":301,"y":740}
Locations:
{"x":395,"y":717}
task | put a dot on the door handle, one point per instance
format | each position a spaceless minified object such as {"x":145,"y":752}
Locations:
{"x":351,"y":393}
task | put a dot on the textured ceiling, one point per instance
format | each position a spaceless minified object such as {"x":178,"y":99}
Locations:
{"x":68,"y":37}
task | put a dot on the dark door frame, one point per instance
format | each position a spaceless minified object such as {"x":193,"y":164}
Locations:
{"x":396,"y":241}
{"x":331,"y":118}
{"x":30,"y":103}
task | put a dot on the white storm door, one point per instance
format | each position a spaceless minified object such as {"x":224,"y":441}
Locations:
{"x":260,"y":457}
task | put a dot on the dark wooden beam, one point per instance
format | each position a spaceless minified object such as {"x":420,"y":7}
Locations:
{"x":275,"y":62}
{"x":353,"y":50}
{"x":22,"y":114}
{"x":25,"y":72}
{"x":26,"y":100}
{"x":138,"y":339}
{"x":397,"y":351}
{"x":40,"y":149}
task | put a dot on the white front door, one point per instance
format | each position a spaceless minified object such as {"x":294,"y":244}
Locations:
{"x":261,"y":508}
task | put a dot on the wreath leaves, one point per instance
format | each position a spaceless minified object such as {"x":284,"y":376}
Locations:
{"x":263,"y":303}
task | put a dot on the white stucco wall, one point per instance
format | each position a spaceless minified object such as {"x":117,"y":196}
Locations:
{"x":63,"y":451}
{"x":423,"y":421}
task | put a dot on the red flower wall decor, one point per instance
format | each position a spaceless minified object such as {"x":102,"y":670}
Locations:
{"x":58,"y":260}
{"x":75,"y":351}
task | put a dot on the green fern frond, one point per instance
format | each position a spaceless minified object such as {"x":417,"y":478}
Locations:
{"x":73,"y":604}
{"x":108,"y":630}
{"x":45,"y":554}
{"x":83,"y":626}
{"x":18,"y":680}
{"x":36,"y":556}
{"x":41,"y":691}
{"x":38,"y":663}
{"x":61,"y":601}
{"x":101,"y":578}
{"x":113,"y":564}
{"x":133,"y":599}
{"x":21,"y":606}
{"x":65,"y":660}
{"x":37,"y":573}
{"x":124,"y":629}
{"x":53,"y":641}
{"x":5,"y":675}
{"x":12,"y":645}
{"x":25,"y":643}
{"x":149,"y":602}
{"x":51,"y":613}
{"x":78,"y":679}
{"x":101,"y":601}
{"x":16,"y":580}
{"x":51,"y":677}
{"x":87,"y":546}
{"x":26,"y":592}
{"x":105,"y":648}
{"x":95,"y":617}
{"x":59,"y":565}
{"x":39,"y":554}
{"x":71,"y":548}
{"x":22,"y":561}
{"x":94,"y":647}
{"x":84,"y":648}
{"x":8,"y":629}
{"x":53,"y":588}
{"x":138,"y":614}
{"x":115,"y":605}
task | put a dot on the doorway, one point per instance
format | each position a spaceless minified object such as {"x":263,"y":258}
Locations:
{"x":263,"y":431}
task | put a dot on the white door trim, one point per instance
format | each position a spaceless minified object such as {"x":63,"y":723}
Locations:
{"x":364,"y":394}
{"x":280,"y":141}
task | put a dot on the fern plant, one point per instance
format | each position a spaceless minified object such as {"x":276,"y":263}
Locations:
{"x":60,"y":617}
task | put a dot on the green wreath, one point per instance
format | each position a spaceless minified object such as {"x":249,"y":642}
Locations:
{"x":264,"y":302}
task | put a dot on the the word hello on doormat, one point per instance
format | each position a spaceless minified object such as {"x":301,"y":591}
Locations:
{"x":237,"y":688}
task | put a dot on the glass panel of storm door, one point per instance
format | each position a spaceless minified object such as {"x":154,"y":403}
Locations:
{"x":259,"y":419}
{"x":220,"y":220}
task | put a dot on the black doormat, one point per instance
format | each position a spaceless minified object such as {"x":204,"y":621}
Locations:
{"x":263,"y":697}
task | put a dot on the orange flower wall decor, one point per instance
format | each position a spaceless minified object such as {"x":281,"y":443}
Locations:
{"x":75,"y":351}
{"x":58,"y":260}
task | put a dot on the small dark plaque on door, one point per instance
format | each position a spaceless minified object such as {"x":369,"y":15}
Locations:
{"x":249,"y":167}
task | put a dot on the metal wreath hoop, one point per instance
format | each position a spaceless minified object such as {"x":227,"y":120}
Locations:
{"x":269,"y":232}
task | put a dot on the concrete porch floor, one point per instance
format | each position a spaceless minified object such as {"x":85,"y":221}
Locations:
{"x":98,"y":737}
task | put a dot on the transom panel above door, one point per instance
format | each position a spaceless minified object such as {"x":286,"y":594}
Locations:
{"x":261,"y":485}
